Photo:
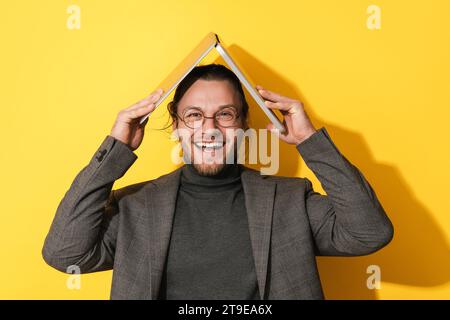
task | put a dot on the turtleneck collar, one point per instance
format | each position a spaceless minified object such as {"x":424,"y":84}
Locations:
{"x":227,"y":179}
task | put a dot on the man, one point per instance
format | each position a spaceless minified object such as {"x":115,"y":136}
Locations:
{"x":213,"y":229}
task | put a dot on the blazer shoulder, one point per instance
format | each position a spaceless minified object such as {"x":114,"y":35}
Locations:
{"x":137,"y":188}
{"x":283,"y":180}
{"x":297,"y":182}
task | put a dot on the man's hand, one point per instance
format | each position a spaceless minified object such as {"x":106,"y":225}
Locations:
{"x":127,"y":128}
{"x":297,"y":123}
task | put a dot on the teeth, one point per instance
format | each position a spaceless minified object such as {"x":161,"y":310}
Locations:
{"x":209,"y":145}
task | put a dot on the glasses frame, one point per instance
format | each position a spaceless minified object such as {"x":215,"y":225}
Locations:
{"x":216,"y":122}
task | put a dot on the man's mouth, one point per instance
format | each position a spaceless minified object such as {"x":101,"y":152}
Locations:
{"x":209,"y":146}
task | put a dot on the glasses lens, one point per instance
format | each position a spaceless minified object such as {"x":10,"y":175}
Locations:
{"x":226,"y":117}
{"x":193,"y":118}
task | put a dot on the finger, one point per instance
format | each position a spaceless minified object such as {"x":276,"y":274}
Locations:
{"x":270,"y":95}
{"x":157,"y":92}
{"x":139,"y":104}
{"x":153,"y":97}
{"x":139,"y":112}
{"x":271,"y":127}
{"x":284,"y":106}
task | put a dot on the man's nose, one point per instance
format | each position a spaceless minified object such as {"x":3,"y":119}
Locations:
{"x":209,"y":123}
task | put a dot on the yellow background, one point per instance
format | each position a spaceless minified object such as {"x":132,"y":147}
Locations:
{"x":383,"y":95}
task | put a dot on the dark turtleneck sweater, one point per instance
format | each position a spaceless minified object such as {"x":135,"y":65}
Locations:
{"x":210,"y":254}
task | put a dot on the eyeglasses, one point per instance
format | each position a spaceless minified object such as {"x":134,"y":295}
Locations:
{"x":194,"y":118}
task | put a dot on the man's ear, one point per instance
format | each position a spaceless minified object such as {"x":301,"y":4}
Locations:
{"x":175,"y":126}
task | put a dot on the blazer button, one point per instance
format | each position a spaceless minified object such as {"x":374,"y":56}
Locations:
{"x":102,"y":155}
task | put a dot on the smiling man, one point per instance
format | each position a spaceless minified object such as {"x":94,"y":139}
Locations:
{"x":207,"y":141}
{"x":214,"y":229}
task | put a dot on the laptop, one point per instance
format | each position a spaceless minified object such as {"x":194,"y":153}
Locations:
{"x":193,"y":59}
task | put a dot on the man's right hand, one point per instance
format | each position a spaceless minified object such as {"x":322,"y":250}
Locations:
{"x":127,"y":128}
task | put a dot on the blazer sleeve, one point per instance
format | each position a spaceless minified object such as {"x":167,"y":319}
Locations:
{"x":349,"y":220}
{"x":84,"y":230}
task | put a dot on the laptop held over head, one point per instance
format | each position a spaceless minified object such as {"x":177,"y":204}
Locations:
{"x":193,"y":59}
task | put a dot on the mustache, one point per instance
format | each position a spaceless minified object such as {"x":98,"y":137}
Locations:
{"x":206,"y":136}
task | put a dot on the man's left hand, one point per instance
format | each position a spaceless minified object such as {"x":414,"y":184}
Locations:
{"x":296,"y":121}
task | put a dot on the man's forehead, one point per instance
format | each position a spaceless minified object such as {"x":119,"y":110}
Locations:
{"x":210,"y":95}
{"x":209,"y":101}
{"x":203,"y":107}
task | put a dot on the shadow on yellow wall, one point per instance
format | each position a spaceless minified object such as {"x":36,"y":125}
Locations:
{"x":418,"y":254}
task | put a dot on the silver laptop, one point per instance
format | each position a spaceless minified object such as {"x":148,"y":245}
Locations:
{"x":193,"y":59}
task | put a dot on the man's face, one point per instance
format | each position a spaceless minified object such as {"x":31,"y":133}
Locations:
{"x":209,"y":143}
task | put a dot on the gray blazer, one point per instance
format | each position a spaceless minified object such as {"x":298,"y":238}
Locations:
{"x":128,"y":230}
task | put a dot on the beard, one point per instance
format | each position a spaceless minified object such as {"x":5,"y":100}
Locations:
{"x":212,"y":162}
{"x":211,"y":166}
{"x":209,"y":170}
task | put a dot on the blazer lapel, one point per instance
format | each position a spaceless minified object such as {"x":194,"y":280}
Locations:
{"x":161,"y":201}
{"x":259,"y":200}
